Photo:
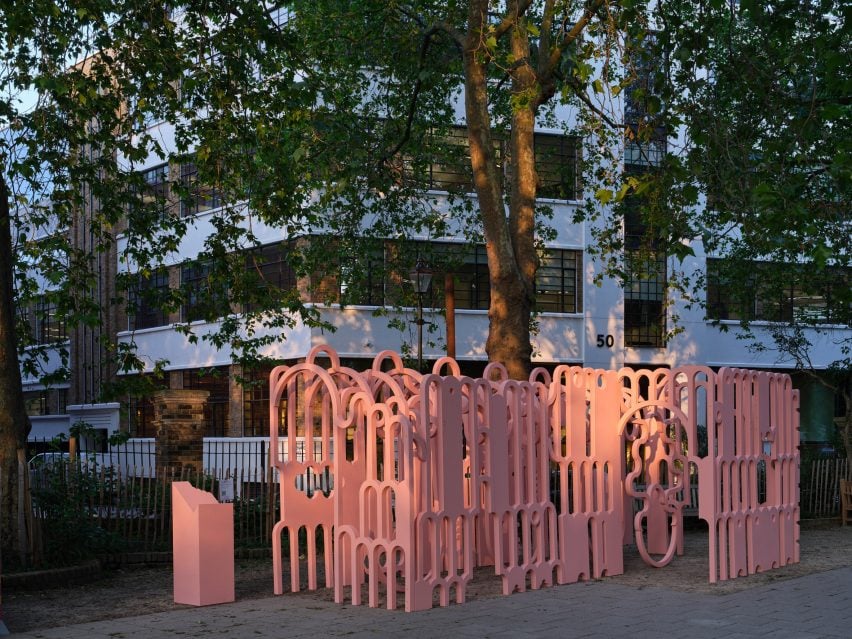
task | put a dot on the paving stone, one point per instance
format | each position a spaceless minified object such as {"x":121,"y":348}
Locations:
{"x":809,"y":607}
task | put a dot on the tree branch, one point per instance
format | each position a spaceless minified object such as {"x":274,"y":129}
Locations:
{"x":580,"y":92}
{"x":552,"y":61}
{"x":513,"y":12}
{"x":438,"y":25}
{"x":412,"y":105}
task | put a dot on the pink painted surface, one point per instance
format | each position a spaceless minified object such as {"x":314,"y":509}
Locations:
{"x":434,"y":475}
{"x":589,"y":464}
{"x":203,"y":547}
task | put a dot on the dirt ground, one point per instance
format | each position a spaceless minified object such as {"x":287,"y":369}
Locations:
{"x":138,"y":590}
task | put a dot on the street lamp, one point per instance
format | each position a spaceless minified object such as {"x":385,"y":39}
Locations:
{"x":421,"y":277}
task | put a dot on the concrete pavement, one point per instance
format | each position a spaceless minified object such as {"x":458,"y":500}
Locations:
{"x":817,"y":605}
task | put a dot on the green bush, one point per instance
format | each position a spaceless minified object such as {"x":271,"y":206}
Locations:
{"x":64,"y":497}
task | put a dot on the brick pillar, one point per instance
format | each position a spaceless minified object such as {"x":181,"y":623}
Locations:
{"x":179,"y":425}
{"x":235,"y":405}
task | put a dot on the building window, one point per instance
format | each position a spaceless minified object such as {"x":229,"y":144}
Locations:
{"x":46,"y":402}
{"x":559,"y":287}
{"x":36,"y":403}
{"x":256,"y":404}
{"x":146,"y":301}
{"x":154,"y":190}
{"x":216,"y":409}
{"x":61,"y":401}
{"x":269,"y":269}
{"x":453,"y":171}
{"x":379,"y":277}
{"x":138,"y":409}
{"x":644,"y":300}
{"x":204,"y":299}
{"x":645,"y":283}
{"x":777,"y":293}
{"x":557,"y":282}
{"x":365,"y":277}
{"x":50,"y":326}
{"x":558,"y":166}
{"x":469,"y":266}
{"x":198,"y":197}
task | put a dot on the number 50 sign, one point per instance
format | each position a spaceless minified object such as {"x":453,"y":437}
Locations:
{"x":605,"y":340}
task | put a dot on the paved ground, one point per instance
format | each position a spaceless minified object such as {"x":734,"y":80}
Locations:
{"x":817,"y":605}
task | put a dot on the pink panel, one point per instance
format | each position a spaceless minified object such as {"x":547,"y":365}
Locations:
{"x":308,"y":396}
{"x":755,"y":520}
{"x":584,"y":406}
{"x":527,"y":544}
{"x":203,"y":547}
{"x":445,"y":527}
{"x":654,"y":431}
{"x":436,"y":474}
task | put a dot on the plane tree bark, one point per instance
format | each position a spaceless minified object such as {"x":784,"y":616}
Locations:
{"x":510,"y":235}
{"x":14,"y":423}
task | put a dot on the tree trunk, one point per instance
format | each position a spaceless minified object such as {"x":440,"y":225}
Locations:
{"x":847,"y":423}
{"x":509,"y":244}
{"x":14,"y":423}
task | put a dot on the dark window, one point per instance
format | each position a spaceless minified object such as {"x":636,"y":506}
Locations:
{"x":453,"y":171}
{"x":644,"y":323}
{"x":558,"y":166}
{"x":363,"y":278}
{"x":154,"y":191}
{"x":777,"y":293}
{"x":470,"y":272}
{"x":138,"y":407}
{"x":198,"y":197}
{"x":140,"y":412}
{"x":46,"y":402}
{"x":216,"y":408}
{"x":722,"y":301}
{"x":558,"y":282}
{"x":269,"y":270}
{"x":644,"y":288}
{"x":271,"y":265}
{"x":557,"y":163}
{"x":205,"y":300}
{"x":50,"y":326}
{"x":147,"y":300}
{"x":36,"y":403}
{"x":256,"y":404}
{"x":380,"y":276}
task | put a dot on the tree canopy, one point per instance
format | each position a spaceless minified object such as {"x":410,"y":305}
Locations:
{"x":763,"y":93}
{"x":364,"y":121}
{"x":318,"y":119}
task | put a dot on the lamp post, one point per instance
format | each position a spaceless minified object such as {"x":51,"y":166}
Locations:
{"x":421,"y":277}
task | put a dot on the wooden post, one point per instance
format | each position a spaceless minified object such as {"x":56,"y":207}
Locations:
{"x":450,"y":313}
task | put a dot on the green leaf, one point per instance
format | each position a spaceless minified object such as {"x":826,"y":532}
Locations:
{"x":604,"y":195}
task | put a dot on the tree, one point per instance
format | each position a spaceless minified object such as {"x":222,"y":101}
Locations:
{"x":61,"y":130}
{"x":79,"y":84}
{"x":318,"y":119}
{"x":507,"y":67}
{"x":762,"y":91}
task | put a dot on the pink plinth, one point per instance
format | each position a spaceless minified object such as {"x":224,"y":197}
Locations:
{"x":203,"y":545}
